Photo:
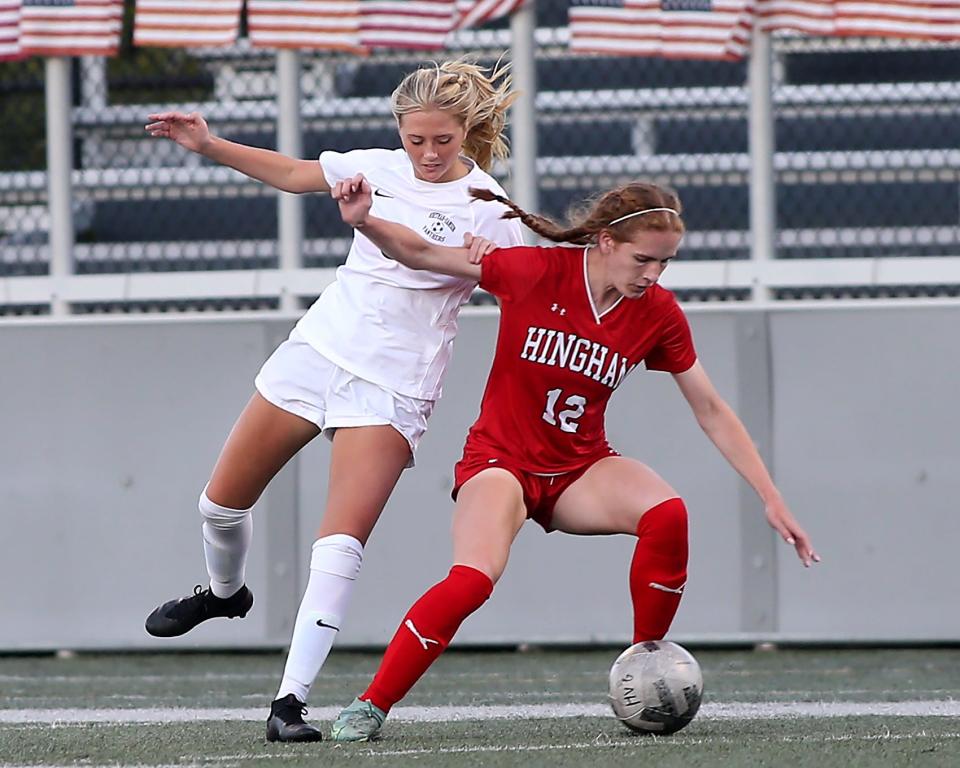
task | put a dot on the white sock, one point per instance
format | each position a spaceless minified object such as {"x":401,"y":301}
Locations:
{"x":334,"y":566}
{"x":226,"y":540}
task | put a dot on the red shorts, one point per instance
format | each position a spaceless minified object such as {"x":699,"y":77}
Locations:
{"x":540,"y":492}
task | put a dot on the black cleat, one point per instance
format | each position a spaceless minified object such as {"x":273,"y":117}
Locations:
{"x":178,"y":617}
{"x":286,"y":721}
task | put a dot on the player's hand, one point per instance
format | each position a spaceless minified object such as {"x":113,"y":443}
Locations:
{"x":355,"y":197}
{"x":478,"y":246}
{"x":784,"y":523}
{"x":190,"y":131}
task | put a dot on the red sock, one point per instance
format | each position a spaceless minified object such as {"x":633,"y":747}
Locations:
{"x":425,"y":632}
{"x":659,"y":569}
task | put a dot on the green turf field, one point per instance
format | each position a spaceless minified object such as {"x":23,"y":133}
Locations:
{"x":818,"y":708}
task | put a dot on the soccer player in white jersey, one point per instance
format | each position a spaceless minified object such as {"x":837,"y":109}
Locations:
{"x":364,"y":365}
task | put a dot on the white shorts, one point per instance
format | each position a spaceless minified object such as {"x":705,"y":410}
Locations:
{"x":303,"y":382}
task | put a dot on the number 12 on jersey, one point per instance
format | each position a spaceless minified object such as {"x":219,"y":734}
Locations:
{"x":566,"y":419}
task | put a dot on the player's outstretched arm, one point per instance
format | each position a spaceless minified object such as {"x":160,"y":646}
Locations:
{"x":727,"y":432}
{"x":355,"y":198}
{"x":190,"y":131}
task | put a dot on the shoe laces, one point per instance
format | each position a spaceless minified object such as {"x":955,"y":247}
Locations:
{"x":197,"y":600}
{"x":362,"y":710}
{"x":294,"y":708}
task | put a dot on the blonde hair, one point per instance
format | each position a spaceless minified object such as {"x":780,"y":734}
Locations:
{"x":476,"y":96}
{"x":594,"y":216}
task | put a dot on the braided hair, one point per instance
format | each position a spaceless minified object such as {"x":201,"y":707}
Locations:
{"x":596,"y":215}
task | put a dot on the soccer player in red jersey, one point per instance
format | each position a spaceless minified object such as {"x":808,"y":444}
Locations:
{"x":574,"y":322}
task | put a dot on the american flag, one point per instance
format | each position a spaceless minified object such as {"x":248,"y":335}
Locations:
{"x":70,"y":27}
{"x":928,"y":19}
{"x":186,"y":23}
{"x":328,"y":24}
{"x":422,"y":24}
{"x":686,"y":29}
{"x":471,"y":13}
{"x":9,"y":29}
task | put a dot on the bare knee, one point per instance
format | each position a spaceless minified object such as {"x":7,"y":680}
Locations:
{"x":358,"y":523}
{"x":492,"y":569}
{"x":262,"y":441}
{"x":234,"y":489}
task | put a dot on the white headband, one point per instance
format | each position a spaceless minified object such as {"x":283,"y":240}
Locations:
{"x":640,"y":213}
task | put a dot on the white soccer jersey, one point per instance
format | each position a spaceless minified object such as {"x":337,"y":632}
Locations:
{"x":380,"y":320}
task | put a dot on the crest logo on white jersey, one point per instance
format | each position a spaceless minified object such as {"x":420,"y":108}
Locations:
{"x":424,"y":641}
{"x":438,"y":226}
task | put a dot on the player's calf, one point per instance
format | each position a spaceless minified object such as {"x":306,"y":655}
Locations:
{"x":658,"y":572}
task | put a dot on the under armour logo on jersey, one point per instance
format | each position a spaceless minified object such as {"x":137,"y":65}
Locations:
{"x":677,"y":591}
{"x":558,"y":308}
{"x":424,"y":641}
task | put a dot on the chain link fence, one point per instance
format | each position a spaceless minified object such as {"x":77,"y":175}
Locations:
{"x":23,"y":214}
{"x":868,"y":156}
{"x":866,"y":159}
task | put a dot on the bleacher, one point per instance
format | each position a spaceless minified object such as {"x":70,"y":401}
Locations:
{"x":867,"y":156}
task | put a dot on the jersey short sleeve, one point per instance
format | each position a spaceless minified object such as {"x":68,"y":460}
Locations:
{"x":512,"y":273}
{"x":674,"y":351}
{"x":338,"y":166}
{"x":506,"y":233}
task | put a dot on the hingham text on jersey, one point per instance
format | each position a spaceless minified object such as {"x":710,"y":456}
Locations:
{"x":567,"y":350}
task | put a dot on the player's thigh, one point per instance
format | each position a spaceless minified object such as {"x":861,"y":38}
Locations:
{"x":365,"y":464}
{"x":262,"y":440}
{"x":488,"y":515}
{"x":610,"y":497}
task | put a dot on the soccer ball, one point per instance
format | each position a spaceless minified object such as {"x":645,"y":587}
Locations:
{"x":655,"y":687}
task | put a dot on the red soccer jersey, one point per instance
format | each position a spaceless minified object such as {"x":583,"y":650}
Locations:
{"x":558,"y":361}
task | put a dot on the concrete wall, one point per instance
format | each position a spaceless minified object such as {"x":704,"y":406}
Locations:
{"x":108,"y":431}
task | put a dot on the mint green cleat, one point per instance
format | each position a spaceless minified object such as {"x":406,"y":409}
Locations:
{"x":360,"y":721}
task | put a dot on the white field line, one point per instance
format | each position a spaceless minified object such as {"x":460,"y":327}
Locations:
{"x":213,"y":677}
{"x":597,"y":743}
{"x":123,"y":701}
{"x":120,"y":700}
{"x":445,"y":714}
{"x":640,"y":742}
{"x":483,"y":675}
{"x":643,"y":743}
{"x":246,"y":677}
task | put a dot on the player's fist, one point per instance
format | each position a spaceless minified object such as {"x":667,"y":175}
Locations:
{"x":354,"y":196}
